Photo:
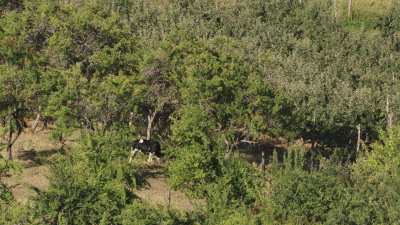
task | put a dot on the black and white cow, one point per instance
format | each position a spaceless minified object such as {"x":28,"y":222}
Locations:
{"x":146,"y":146}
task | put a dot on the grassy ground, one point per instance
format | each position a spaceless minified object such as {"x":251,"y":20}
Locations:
{"x":368,"y":8}
{"x":366,"y":14}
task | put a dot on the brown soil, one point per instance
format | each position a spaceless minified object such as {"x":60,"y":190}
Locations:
{"x":35,"y":151}
{"x":157,"y":192}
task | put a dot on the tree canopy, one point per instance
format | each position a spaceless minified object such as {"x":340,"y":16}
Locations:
{"x":205,"y":78}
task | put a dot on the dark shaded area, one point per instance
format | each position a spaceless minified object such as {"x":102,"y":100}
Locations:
{"x":35,"y":158}
{"x":7,"y":5}
{"x":152,"y":171}
{"x":253,"y":152}
{"x":344,"y":137}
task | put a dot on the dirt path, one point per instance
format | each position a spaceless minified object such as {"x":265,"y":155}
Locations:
{"x":34,"y":152}
{"x":157,"y":192}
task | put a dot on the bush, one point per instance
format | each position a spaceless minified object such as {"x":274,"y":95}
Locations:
{"x":240,"y":216}
{"x":140,"y":214}
{"x":14,"y":213}
{"x":5,"y":168}
{"x":302,"y":197}
{"x":376,"y":184}
{"x":195,"y":163}
{"x":89,"y":186}
{"x":238,"y":185}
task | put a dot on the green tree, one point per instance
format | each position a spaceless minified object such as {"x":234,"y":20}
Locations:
{"x":195,"y":164}
{"x":91,"y":185}
{"x":13,"y":104}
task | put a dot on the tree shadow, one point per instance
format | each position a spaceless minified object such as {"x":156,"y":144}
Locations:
{"x":253,"y":152}
{"x":35,"y":158}
{"x":149,"y":171}
{"x":152,"y":172}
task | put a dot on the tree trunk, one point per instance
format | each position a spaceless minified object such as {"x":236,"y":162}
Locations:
{"x":389,"y":114}
{"x":112,"y":5}
{"x":358,"y":137}
{"x":3,"y":122}
{"x":9,"y":151}
{"x":130,"y":119}
{"x":227,"y":155}
{"x":228,"y":150}
{"x":150,"y":119}
{"x":350,"y":9}
{"x":335,"y":9}
{"x":62,"y":143}
{"x":262,"y":164}
{"x":230,"y":147}
{"x":127,"y":11}
{"x":9,"y":142}
{"x":45,"y":123}
{"x":35,"y":124}
{"x":313,"y":143}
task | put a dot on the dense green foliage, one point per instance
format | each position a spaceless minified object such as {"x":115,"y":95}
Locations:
{"x":201,"y":77}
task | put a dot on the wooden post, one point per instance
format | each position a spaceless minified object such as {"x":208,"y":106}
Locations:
{"x":169,"y":199}
{"x":350,"y":9}
{"x":358,"y":137}
{"x":389,"y":115}
{"x":263,"y":161}
{"x":150,"y":119}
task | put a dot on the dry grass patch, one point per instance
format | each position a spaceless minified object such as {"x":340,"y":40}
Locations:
{"x":365,"y":8}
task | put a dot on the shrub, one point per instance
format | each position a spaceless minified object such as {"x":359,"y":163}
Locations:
{"x":139,"y":214}
{"x":376,"y":184}
{"x":304,"y":195}
{"x":89,"y":186}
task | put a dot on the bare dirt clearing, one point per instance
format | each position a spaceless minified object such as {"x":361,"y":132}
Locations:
{"x":35,"y":151}
{"x":157,"y":192}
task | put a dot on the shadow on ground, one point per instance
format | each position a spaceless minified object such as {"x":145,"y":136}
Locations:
{"x":33,"y":158}
{"x":151,"y":171}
